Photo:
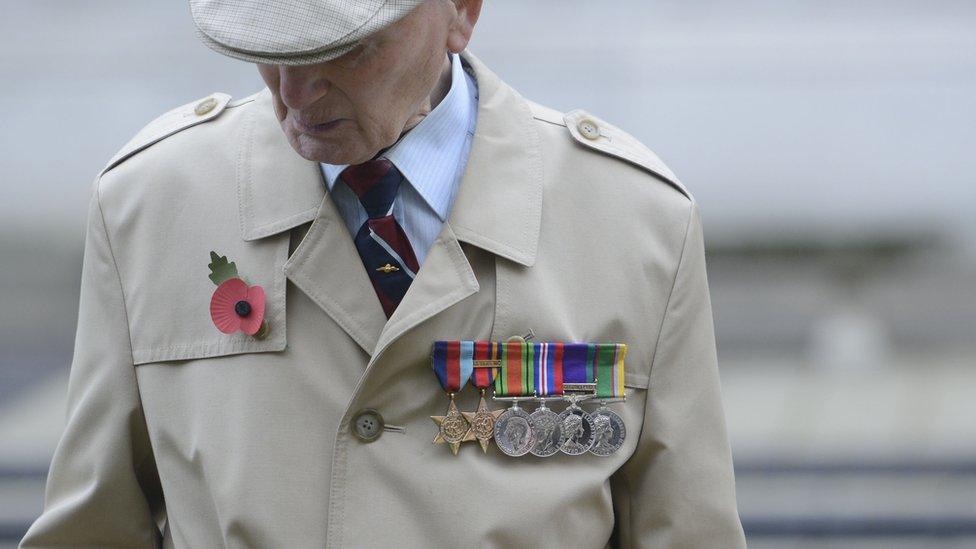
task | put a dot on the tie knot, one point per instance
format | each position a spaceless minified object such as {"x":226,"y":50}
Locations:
{"x":375,"y":182}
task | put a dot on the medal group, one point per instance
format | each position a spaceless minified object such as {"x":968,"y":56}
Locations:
{"x":522,"y":372}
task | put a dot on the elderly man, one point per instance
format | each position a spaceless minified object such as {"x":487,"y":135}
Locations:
{"x":264,"y":278}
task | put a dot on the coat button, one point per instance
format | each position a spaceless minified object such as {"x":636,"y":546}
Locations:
{"x":368,"y":425}
{"x":588,"y":128}
{"x":205,"y":106}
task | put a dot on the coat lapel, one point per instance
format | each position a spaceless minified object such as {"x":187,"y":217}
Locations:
{"x":327,"y":267}
{"x":279,"y":190}
{"x":444,"y":279}
{"x":498,"y":208}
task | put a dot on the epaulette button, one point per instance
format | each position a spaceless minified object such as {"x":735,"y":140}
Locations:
{"x":588,"y":128}
{"x":205,"y":106}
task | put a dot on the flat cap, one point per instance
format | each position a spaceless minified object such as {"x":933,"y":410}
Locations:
{"x":292,"y":32}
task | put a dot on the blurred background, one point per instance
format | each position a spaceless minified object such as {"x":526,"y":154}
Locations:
{"x":829,"y":143}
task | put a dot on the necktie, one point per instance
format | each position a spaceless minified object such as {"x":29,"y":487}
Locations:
{"x":383,"y":246}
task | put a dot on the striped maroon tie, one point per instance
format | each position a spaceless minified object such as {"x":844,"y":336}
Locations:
{"x":383,"y":246}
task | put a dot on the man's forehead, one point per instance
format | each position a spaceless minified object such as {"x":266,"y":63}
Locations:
{"x":294,"y":32}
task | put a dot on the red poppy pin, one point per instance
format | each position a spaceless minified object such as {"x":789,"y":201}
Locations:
{"x":235,"y":305}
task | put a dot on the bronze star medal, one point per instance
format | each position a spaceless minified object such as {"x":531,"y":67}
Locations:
{"x":486,"y":360}
{"x":454,"y":428}
{"x":482,"y":423}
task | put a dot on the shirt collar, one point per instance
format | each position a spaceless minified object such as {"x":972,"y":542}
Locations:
{"x":429,"y":154}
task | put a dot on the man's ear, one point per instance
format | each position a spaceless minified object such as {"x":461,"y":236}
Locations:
{"x":462,"y":26}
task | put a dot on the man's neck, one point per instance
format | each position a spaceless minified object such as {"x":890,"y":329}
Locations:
{"x":437,"y":94}
{"x":443,"y":84}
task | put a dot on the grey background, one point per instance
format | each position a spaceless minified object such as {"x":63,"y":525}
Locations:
{"x":829,"y":144}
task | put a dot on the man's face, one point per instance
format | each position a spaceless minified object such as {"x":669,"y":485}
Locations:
{"x":345,"y":110}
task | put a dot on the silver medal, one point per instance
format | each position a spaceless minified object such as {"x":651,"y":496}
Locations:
{"x":513,"y":432}
{"x":609,"y":431}
{"x":577,"y":430}
{"x":546,"y":431}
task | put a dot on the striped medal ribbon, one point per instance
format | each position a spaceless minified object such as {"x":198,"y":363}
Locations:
{"x":579,"y":370}
{"x":609,"y":360}
{"x":548,"y":371}
{"x":486,"y":358}
{"x":609,"y":431}
{"x":453,"y":362}
{"x":515,"y":381}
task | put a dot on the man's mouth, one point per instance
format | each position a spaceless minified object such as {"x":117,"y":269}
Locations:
{"x":316,"y":128}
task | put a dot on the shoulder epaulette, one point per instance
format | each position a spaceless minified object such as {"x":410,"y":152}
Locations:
{"x":174,"y":121}
{"x":602,"y":136}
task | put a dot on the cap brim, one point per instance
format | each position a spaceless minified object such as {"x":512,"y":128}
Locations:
{"x":381,"y":19}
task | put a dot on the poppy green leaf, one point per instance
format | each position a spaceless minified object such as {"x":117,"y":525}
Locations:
{"x":220,"y":269}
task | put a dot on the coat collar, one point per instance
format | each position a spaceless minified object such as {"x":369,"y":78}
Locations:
{"x":499,"y":203}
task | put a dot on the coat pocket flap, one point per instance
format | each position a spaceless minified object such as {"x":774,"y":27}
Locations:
{"x":169,"y":311}
{"x":205,"y":349}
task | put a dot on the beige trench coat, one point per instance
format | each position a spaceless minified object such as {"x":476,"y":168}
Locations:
{"x":181,"y":436}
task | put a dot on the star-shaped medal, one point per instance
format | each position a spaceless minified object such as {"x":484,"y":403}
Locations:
{"x":454,"y":429}
{"x":481,"y":423}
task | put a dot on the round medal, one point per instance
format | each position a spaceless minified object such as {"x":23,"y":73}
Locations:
{"x":577,"y":431}
{"x":546,"y":431}
{"x":608,"y":432}
{"x":513,"y":433}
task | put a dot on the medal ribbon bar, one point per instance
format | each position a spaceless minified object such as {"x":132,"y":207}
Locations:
{"x":515,"y":378}
{"x":610,"y":370}
{"x":549,"y":369}
{"x":452,"y":362}
{"x":522,"y":369}
{"x":485,"y":364}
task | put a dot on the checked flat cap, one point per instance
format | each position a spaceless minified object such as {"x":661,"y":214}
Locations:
{"x":292,"y":32}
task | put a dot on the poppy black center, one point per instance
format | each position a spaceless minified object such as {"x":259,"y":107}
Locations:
{"x":242,"y":308}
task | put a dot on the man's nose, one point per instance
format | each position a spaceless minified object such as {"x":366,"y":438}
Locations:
{"x":300,"y":86}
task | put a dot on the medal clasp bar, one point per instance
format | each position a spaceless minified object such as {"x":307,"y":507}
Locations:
{"x":575,"y":398}
{"x":579,"y":388}
{"x":605,"y":401}
{"x":514,"y":399}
